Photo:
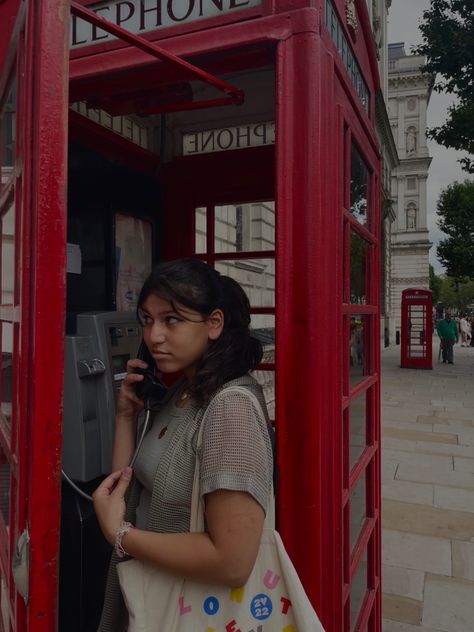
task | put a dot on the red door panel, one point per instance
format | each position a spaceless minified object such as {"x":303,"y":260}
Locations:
{"x":33,"y":118}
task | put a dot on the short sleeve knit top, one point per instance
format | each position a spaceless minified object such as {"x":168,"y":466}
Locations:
{"x":236,"y":454}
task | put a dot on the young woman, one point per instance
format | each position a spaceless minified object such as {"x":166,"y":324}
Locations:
{"x":195,"y":322}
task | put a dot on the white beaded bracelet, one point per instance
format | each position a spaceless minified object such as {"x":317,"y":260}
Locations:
{"x":121,"y":531}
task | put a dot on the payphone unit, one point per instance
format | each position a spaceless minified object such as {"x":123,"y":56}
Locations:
{"x":95,"y":365}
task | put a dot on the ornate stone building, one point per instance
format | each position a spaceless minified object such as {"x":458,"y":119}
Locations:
{"x":378,"y":11}
{"x":409,"y":93}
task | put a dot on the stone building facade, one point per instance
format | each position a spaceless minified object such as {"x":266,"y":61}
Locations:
{"x":378,"y":12}
{"x":409,"y":93}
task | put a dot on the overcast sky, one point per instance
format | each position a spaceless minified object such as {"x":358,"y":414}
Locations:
{"x":403,"y":22}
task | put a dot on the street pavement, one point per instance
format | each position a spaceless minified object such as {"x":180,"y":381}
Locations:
{"x":428,"y":494}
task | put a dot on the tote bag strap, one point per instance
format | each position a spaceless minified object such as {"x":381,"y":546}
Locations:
{"x":197,"y":505}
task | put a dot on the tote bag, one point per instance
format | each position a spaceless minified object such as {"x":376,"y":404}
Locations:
{"x":272,"y":600}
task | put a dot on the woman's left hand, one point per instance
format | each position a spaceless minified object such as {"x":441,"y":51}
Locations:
{"x":109,"y":502}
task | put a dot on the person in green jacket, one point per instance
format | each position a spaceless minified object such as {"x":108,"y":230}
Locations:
{"x":448,"y":335}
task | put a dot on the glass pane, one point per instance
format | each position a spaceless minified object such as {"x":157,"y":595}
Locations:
{"x":245,"y":227}
{"x":358,"y":271}
{"x":358,"y":349}
{"x":4,"y":488}
{"x":266,"y":379}
{"x":358,"y":508}
{"x":359,"y":187}
{"x":7,"y":131}
{"x":200,"y":230}
{"x":358,"y":589}
{"x":416,"y":331}
{"x":357,"y":425}
{"x":8,"y":256}
{"x":256,"y":276}
{"x":263,"y":328}
{"x":6,"y":376}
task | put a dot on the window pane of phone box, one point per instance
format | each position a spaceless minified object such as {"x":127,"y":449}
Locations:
{"x":359,"y":187}
{"x":357,"y":429}
{"x":245,"y":227}
{"x":8,"y":256}
{"x":263,"y":328}
{"x":358,"y":589}
{"x":200,"y":237}
{"x":358,"y":349}
{"x":417,"y":331}
{"x":266,"y":379}
{"x":358,"y":508}
{"x":6,"y":376}
{"x":358,"y":271}
{"x":256,"y":276}
{"x":7,"y":131}
{"x":4,"y":488}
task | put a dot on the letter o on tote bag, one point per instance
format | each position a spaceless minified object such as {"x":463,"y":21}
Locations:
{"x":273,"y":599}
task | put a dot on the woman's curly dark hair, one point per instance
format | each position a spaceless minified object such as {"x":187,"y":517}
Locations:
{"x":195,"y":285}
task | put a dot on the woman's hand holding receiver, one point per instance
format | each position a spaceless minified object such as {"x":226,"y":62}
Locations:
{"x":129,"y":406}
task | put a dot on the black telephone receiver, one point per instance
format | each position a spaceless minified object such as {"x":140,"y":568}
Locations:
{"x":151,"y":387}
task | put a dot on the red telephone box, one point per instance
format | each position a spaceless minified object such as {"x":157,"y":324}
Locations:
{"x":226,"y":106}
{"x":417,"y":329}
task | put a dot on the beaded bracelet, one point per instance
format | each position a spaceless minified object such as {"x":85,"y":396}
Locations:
{"x":121,"y":531}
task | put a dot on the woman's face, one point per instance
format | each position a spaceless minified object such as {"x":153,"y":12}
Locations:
{"x":177,"y":340}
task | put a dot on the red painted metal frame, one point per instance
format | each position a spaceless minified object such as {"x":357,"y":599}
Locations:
{"x":306,"y":243}
{"x":420,"y":298}
{"x":107,"y":142}
{"x":312,"y":282}
{"x":235,"y":96}
{"x":40,"y":245}
{"x":241,"y":17}
{"x":369,"y":387}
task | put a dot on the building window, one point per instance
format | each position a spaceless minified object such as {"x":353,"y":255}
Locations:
{"x":411,"y":184}
{"x":411,"y":216}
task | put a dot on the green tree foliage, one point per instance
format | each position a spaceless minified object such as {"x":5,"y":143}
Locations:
{"x":436,"y":283}
{"x":448,"y":44}
{"x":459,"y":296}
{"x":456,"y":220}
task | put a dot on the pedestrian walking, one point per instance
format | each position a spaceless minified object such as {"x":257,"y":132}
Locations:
{"x":465,"y":329}
{"x":448,"y":334}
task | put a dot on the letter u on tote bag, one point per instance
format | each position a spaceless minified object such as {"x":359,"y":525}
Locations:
{"x":273,"y":599}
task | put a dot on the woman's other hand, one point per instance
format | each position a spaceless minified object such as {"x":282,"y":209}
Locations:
{"x":109,"y":502}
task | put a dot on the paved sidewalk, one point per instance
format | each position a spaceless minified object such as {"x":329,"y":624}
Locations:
{"x":428,"y":494}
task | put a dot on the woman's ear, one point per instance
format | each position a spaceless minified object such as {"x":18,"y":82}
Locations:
{"x":215,"y":324}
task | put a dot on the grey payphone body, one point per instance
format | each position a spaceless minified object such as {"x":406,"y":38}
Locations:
{"x":95,"y":365}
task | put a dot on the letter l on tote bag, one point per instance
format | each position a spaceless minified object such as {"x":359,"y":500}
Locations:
{"x":272,"y":600}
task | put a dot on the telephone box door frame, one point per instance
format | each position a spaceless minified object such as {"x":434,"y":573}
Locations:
{"x":35,"y":194}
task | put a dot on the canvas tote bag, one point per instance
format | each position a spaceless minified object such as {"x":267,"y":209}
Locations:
{"x":272,"y":600}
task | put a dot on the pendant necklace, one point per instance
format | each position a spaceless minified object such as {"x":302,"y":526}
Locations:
{"x":183,"y":396}
{"x":162,"y":432}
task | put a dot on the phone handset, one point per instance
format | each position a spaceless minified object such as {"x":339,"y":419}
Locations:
{"x":151,"y":389}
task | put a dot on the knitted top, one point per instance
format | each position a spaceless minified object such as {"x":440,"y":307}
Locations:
{"x":236,"y":454}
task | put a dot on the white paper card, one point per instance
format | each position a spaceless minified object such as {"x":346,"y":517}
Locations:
{"x":74,"y":259}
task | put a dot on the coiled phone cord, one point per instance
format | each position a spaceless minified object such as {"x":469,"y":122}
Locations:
{"x":77,"y":489}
